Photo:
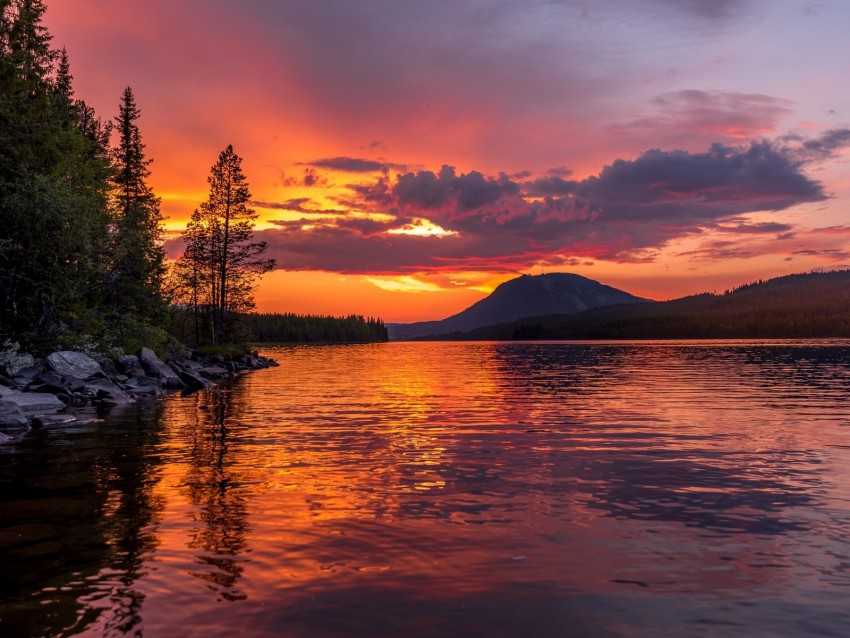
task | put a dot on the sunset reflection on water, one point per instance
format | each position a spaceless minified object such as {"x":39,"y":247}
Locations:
{"x":447,"y":489}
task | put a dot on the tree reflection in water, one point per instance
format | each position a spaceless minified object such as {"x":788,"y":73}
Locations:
{"x":444,"y":490}
{"x":214,"y":488}
{"x":79,"y":525}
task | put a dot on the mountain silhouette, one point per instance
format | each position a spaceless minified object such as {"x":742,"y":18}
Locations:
{"x":525,"y":296}
{"x":801,"y":306}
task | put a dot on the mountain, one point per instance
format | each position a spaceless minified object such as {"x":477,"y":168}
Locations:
{"x":802,"y":306}
{"x":525,"y":296}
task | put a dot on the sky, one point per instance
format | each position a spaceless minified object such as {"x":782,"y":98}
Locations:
{"x":406,"y":157}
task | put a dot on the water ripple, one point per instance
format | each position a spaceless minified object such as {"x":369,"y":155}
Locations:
{"x":651,"y":489}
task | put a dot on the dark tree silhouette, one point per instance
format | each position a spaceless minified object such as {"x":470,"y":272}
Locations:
{"x":138,"y":264}
{"x":218,"y":271}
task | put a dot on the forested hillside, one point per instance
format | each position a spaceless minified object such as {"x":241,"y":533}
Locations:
{"x":815,"y":305}
{"x":525,"y":296}
{"x":81,"y":261}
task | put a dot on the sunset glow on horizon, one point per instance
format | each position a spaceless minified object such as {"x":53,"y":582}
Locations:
{"x":406,"y":158}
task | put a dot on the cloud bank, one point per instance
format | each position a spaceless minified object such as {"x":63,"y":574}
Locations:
{"x":448,"y":220}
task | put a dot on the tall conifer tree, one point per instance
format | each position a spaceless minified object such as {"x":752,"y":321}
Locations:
{"x":138,"y":253}
{"x":51,"y":191}
{"x":221,"y":257}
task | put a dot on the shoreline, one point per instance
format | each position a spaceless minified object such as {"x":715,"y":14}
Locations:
{"x":40,"y":392}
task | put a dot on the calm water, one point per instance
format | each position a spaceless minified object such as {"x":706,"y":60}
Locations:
{"x":526,"y":490}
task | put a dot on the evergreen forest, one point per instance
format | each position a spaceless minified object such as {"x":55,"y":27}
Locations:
{"x":802,"y":306}
{"x":82,"y":264}
{"x":292,"y":328}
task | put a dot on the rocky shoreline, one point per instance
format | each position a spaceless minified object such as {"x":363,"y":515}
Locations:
{"x":39,"y":392}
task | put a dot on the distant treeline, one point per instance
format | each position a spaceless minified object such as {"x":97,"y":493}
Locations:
{"x":815,"y":305}
{"x":292,"y":328}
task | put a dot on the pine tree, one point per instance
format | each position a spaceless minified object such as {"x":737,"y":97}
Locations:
{"x":221,"y":262}
{"x":80,"y":252}
{"x":26,"y":61}
{"x":64,"y":80}
{"x":51,"y":186}
{"x":191,"y":289}
{"x":138,"y":265}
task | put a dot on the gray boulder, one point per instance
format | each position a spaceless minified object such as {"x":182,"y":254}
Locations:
{"x":175,"y":366}
{"x":195,"y":381}
{"x":191,"y":366}
{"x":142,"y":385}
{"x":249,"y":361}
{"x":73,"y":364}
{"x":32,"y":403}
{"x":130,"y":365}
{"x":212,"y":372}
{"x":127,"y":364}
{"x":30,"y":372}
{"x":18,"y":362}
{"x":102,"y":382}
{"x":55,"y":383}
{"x":107,"y":365}
{"x":154,"y":367}
{"x":109,"y":395}
{"x":11,"y":416}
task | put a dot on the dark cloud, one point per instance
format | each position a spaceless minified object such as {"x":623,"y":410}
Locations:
{"x":762,"y":228}
{"x":313,"y":178}
{"x":550,"y":186}
{"x":825,"y":146}
{"x":309,"y":178}
{"x":348,"y":250}
{"x":285,"y":180}
{"x":712,"y":115}
{"x":354,"y":165}
{"x":291,"y":223}
{"x":376,"y":145}
{"x":720,"y":251}
{"x":369,"y":227}
{"x":679,"y":186}
{"x":712,"y":9}
{"x":296,"y":204}
{"x":832,"y":253}
{"x":833,"y":230}
{"x":466,"y":192}
{"x":375,"y":193}
{"x":626,"y":213}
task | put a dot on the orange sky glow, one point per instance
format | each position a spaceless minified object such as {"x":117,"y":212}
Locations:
{"x":405,"y":159}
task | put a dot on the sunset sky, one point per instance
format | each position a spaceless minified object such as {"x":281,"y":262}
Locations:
{"x":405,"y":157}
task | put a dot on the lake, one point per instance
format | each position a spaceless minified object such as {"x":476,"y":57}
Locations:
{"x":449,"y":489}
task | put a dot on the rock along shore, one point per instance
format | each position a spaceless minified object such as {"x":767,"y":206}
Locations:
{"x":37,"y":392}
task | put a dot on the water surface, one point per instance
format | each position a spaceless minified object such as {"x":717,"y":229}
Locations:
{"x":449,"y":489}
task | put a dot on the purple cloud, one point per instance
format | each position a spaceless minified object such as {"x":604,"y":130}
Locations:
{"x":354,"y":165}
{"x":470,"y":191}
{"x":627,"y":213}
{"x":821,"y":148}
{"x":708,"y":115}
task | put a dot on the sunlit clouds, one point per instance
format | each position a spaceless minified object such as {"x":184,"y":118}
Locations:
{"x":403,"y":284}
